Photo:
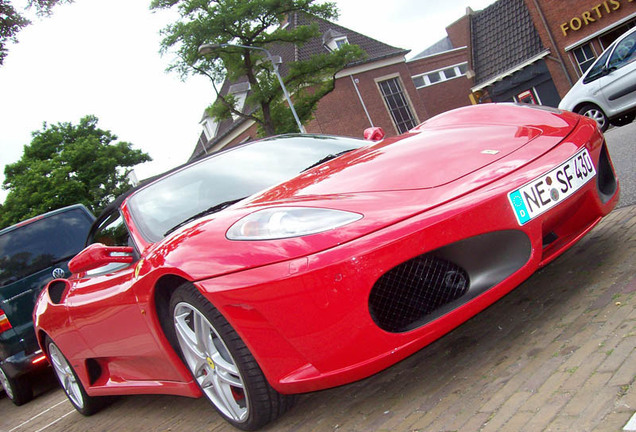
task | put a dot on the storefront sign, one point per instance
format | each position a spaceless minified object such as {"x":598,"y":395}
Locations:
{"x":594,"y":14}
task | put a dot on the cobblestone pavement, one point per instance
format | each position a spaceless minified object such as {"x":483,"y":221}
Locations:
{"x":557,"y":354}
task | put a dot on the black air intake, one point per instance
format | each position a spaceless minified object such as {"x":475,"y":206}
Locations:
{"x":433,"y":284}
{"x":414,"y":289}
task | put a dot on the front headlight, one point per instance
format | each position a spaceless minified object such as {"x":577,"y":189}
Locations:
{"x":286,"y":222}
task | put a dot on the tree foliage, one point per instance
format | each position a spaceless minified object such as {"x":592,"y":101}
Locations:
{"x":67,"y":164}
{"x":12,"y":21}
{"x":255,"y":23}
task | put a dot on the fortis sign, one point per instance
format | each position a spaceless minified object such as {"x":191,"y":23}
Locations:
{"x":594,"y":14}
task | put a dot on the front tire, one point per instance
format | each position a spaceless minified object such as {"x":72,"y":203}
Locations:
{"x":594,"y":112}
{"x":17,"y":389}
{"x":72,"y":386}
{"x":221,"y":364}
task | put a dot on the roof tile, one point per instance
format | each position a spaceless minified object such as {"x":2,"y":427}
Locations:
{"x":504,"y":36}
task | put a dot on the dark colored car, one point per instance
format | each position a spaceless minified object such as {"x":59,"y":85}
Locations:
{"x":32,"y":253}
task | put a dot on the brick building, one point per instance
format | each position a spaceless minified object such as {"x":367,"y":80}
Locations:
{"x":377,"y":91}
{"x":528,"y":51}
{"x":577,"y":32}
{"x":535,"y":50}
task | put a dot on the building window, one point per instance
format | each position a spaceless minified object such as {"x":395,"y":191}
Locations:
{"x":528,"y":97}
{"x":439,"y":76}
{"x":209,"y":127}
{"x":434,"y":77}
{"x":341,"y":42}
{"x":419,"y":81}
{"x":607,"y":39}
{"x":584,"y":56}
{"x":450,"y":73}
{"x":239,"y":91}
{"x":397,"y":104}
{"x":334,"y":40}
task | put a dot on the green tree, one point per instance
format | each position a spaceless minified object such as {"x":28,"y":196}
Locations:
{"x":67,"y":164}
{"x":12,"y":21}
{"x":255,"y":23}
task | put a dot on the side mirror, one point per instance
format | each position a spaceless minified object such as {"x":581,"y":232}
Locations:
{"x":98,"y":255}
{"x":374,"y":134}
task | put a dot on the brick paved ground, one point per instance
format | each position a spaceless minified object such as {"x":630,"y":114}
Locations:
{"x":557,"y":354}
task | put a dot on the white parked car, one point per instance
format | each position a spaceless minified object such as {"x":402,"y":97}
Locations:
{"x":607,"y":91}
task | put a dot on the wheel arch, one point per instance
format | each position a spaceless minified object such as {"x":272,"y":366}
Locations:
{"x":41,"y":336}
{"x":164,"y":287}
{"x":581,"y":104}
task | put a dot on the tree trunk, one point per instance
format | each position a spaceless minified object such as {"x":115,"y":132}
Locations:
{"x":268,"y":125}
{"x":267,"y":120}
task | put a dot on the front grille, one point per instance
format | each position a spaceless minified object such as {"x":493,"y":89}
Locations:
{"x":406,"y":294}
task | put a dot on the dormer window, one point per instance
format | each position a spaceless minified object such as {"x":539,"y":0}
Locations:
{"x":333,"y":40}
{"x":209,"y":127}
{"x":340,"y":42}
{"x":239,"y":91}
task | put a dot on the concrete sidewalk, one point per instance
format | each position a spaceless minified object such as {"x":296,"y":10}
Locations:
{"x":557,"y":354}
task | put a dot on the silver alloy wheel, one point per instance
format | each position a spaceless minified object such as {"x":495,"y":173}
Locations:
{"x":596,"y":114}
{"x":210,"y":362}
{"x":66,"y":376}
{"x":5,"y":384}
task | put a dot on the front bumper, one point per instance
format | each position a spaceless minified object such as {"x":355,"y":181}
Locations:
{"x":308,"y":322}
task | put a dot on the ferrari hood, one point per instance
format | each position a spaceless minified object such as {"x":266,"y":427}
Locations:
{"x":438,"y":152}
{"x":429,"y":158}
{"x":442,"y":159}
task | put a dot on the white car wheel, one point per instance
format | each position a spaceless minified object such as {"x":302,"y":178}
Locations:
{"x":594,"y":112}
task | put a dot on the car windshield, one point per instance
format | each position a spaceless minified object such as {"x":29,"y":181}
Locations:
{"x":624,"y":53}
{"x":210,"y":184}
{"x":42,"y":244}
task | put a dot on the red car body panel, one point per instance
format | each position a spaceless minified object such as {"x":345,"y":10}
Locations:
{"x":301,"y":304}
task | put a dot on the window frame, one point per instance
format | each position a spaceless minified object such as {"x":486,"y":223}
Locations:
{"x":341,"y":41}
{"x":588,"y":60}
{"x":529,"y":94}
{"x":400,"y":126}
{"x":441,"y":73}
{"x":335,"y":43}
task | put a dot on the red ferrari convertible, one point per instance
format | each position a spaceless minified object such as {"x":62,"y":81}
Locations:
{"x":304,"y":262}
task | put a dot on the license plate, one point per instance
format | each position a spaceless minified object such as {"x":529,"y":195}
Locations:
{"x":549,"y":189}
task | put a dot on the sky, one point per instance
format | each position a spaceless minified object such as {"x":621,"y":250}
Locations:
{"x":101,"y":57}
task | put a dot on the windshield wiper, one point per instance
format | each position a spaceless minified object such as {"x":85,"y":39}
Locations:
{"x":214,"y":209}
{"x":326,"y":159}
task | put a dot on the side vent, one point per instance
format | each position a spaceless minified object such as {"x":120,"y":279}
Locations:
{"x":57,"y":290}
{"x":94,"y":370}
{"x":605,"y":180}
